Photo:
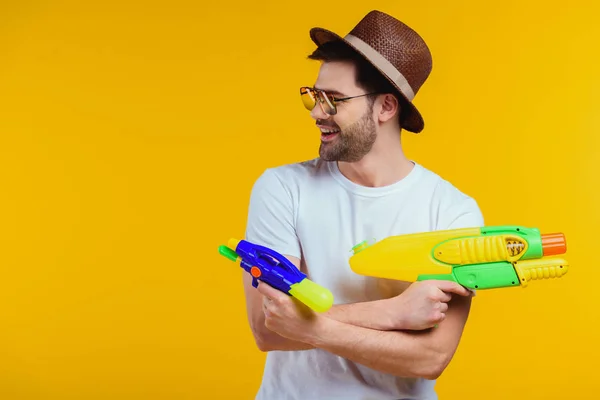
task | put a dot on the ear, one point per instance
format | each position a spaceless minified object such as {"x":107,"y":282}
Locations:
{"x":389,"y":107}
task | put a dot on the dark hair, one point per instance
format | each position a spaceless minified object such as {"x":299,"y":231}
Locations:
{"x":367,"y":76}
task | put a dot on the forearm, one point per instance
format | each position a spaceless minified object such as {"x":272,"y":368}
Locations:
{"x":371,"y":315}
{"x":406,"y":354}
{"x":268,"y":340}
{"x":422,"y":353}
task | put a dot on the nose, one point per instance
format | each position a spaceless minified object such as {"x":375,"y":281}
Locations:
{"x":318,"y":113}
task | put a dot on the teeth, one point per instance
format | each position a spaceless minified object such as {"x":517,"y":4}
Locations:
{"x":329,"y":131}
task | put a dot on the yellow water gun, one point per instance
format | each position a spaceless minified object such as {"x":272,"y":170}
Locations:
{"x":477,"y":258}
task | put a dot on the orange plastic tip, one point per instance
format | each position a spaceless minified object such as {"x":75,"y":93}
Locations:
{"x":554,"y":243}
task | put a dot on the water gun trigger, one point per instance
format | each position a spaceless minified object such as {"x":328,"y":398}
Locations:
{"x":256,"y":273}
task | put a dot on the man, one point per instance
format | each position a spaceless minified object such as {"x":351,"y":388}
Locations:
{"x":382,"y":339}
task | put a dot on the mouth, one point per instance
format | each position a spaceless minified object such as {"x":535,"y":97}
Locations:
{"x":328,"y":134}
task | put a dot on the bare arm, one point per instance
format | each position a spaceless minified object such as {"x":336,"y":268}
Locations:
{"x":373,"y":315}
{"x":424,"y":353}
{"x":266,"y":340}
{"x":409,"y":354}
{"x":385,"y":314}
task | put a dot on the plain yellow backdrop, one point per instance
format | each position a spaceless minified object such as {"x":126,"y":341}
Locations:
{"x":132,"y":132}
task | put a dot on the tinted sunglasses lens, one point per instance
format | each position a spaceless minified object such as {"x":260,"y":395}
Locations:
{"x":308,"y":98}
{"x":328,"y":104}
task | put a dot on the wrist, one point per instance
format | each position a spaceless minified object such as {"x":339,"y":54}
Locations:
{"x":386,"y":316}
{"x":394,"y":314}
{"x":323,"y":329}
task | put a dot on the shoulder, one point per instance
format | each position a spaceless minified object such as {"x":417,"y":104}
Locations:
{"x":442,"y":189}
{"x":452,"y":205}
{"x":302,"y":169}
{"x":291,"y":175}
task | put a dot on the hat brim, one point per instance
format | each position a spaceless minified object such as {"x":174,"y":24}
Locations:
{"x":412,"y":121}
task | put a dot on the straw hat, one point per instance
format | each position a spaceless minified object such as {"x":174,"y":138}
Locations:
{"x":396,"y":50}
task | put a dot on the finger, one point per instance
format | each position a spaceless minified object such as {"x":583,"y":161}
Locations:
{"x":436,"y":317}
{"x":440,"y":317}
{"x":453,"y":287}
{"x":268,"y":290}
{"x":266,"y":301}
{"x":266,"y":311}
{"x":443,"y":307}
{"x":263,"y":288}
{"x":445,"y":297}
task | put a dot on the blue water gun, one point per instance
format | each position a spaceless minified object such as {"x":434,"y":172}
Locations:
{"x":274,"y":269}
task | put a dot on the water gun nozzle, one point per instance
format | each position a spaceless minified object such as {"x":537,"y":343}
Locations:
{"x":228,"y":253}
{"x":554,"y":243}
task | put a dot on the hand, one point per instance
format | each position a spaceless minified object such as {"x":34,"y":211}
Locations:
{"x":423,"y":304}
{"x":287,"y":316}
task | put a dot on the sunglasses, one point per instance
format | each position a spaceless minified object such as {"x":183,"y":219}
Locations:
{"x":327,"y":101}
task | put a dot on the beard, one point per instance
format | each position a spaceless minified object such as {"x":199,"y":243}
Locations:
{"x":352,"y":143}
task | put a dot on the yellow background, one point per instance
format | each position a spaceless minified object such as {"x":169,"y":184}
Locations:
{"x":131,"y":134}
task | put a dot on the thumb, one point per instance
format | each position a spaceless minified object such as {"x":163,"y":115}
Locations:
{"x":453,"y":287}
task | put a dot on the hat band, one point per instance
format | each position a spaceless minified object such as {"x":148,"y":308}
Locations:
{"x":384,"y":65}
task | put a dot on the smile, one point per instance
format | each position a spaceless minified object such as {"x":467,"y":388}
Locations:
{"x":328,"y":134}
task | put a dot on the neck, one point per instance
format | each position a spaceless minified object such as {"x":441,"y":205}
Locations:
{"x":384,"y":165}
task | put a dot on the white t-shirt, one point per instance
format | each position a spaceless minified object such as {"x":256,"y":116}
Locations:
{"x":311,"y":211}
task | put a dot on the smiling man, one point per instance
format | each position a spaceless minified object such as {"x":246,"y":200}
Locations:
{"x":382,"y":339}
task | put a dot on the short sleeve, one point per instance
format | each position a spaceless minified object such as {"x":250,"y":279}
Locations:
{"x":456,"y":209}
{"x":465,"y":214}
{"x":271,"y":215}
